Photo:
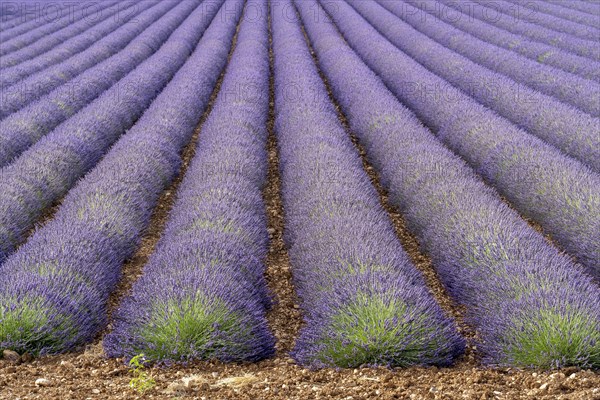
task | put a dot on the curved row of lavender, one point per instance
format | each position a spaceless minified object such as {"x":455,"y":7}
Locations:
{"x":592,"y":8}
{"x":540,"y":52}
{"x":74,"y":15}
{"x":364,"y":302}
{"x":54,"y":290}
{"x":572,"y":15}
{"x":203,"y":294}
{"x":47,"y":170}
{"x":56,"y":45}
{"x":525,"y":11}
{"x":110,"y":14}
{"x":581,"y":47}
{"x":23,"y":128}
{"x":556,"y":191}
{"x":36,"y":17}
{"x":107,"y":57}
{"x":559,"y":124}
{"x":80,"y":52}
{"x":531,"y":305}
{"x":568,"y":88}
{"x":68,"y":48}
{"x":11,"y":17}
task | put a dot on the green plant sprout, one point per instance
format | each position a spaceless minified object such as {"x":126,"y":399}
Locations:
{"x":141,"y":381}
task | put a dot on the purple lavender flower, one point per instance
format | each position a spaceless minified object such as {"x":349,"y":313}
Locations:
{"x":539,"y":52}
{"x":566,"y":87}
{"x":538,"y":14}
{"x":109,"y":13}
{"x":203,"y":293}
{"x":364,"y":301}
{"x":29,"y":63}
{"x":569,"y":129}
{"x":13,"y":42}
{"x":54,"y":289}
{"x":531,"y":305}
{"x":542,"y":183}
{"x":482,"y":11}
{"x":45,"y":172}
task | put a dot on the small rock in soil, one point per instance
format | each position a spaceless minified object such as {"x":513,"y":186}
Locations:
{"x":41,"y":382}
{"x":11,"y":356}
{"x":26,"y":358}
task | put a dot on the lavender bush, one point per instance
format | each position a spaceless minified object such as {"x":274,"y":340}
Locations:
{"x":568,"y":88}
{"x":487,"y":256}
{"x":573,"y":15}
{"x":33,"y":21}
{"x":539,"y":15}
{"x":543,"y":184}
{"x":46,"y":172}
{"x":581,"y":47}
{"x":54,"y":290}
{"x":540,"y":52}
{"x":109,"y":14}
{"x":25,"y":127}
{"x":43,"y":32}
{"x":586,"y":7}
{"x":85,"y":43}
{"x":364,"y":302}
{"x":131,"y":43}
{"x":203,"y":293}
{"x":570,"y":130}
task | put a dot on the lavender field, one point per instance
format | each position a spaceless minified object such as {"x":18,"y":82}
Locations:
{"x":300,"y":199}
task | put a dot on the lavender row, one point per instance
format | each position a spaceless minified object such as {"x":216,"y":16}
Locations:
{"x":569,"y":129}
{"x":592,"y":8}
{"x":486,"y":255}
{"x":571,"y":89}
{"x":527,"y":12}
{"x":543,"y":184}
{"x":55,"y":288}
{"x":32,"y":88}
{"x":70,"y":48}
{"x":581,"y":47}
{"x":112,"y":13}
{"x":44,"y":31}
{"x":91,"y":29}
{"x":572,"y":15}
{"x":32,"y":13}
{"x":364,"y":302}
{"x":46,"y":172}
{"x":542,"y":53}
{"x":203,"y":292}
{"x":40,"y":15}
{"x":20,"y":130}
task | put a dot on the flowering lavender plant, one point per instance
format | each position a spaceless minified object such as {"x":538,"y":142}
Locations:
{"x":47,"y":170}
{"x":365,"y":303}
{"x":28,"y":63}
{"x":480,"y":10}
{"x":54,"y":289}
{"x":561,"y":194}
{"x":566,"y":87}
{"x":531,"y":305}
{"x":77,"y":28}
{"x":203,"y":294}
{"x":569,"y":129}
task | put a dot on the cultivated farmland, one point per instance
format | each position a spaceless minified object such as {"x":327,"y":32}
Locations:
{"x":298,"y":199}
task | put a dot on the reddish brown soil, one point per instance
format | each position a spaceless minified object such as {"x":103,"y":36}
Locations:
{"x":89,"y":375}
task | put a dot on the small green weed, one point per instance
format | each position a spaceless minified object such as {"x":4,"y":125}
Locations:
{"x":141,"y":381}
